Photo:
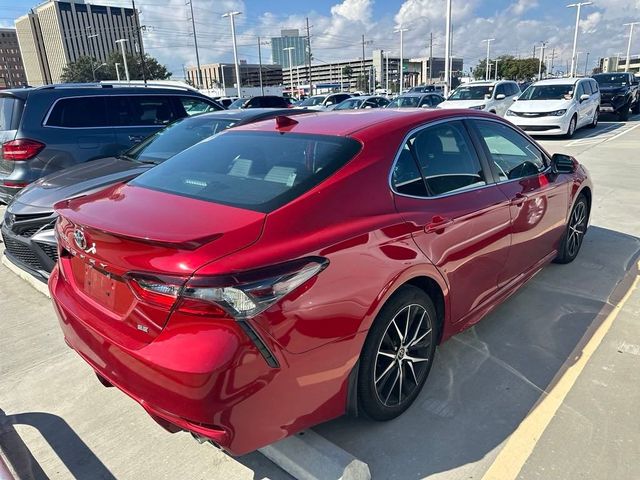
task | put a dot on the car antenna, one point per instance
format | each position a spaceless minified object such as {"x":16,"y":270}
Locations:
{"x":283,"y":121}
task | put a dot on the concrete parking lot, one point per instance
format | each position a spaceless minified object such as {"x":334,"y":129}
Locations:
{"x":545,"y":387}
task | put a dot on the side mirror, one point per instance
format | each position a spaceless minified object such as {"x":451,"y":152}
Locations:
{"x":584,"y":97}
{"x":425,"y":105}
{"x":561,"y":163}
{"x":500,"y":96}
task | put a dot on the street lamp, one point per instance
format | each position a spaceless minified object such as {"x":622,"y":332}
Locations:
{"x":95,"y":69}
{"x":542,"y":47}
{"x":574,"y":62}
{"x":231,"y":16}
{"x":488,"y":40}
{"x":401,"y":79}
{"x":586,"y":64}
{"x":124,"y":57}
{"x":290,"y":50}
{"x":630,"y":25}
{"x":447,"y":50}
{"x":118,"y":71}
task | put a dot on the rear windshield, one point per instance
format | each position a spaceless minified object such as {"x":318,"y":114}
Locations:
{"x":258,"y":171}
{"x":9,"y":113}
{"x":176,"y":137}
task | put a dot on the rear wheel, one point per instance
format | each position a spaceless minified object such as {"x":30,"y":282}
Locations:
{"x":636,"y":107}
{"x":574,"y":234}
{"x":572,"y":127}
{"x":398,"y":354}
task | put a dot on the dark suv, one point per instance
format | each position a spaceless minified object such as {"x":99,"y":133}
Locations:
{"x":618,"y":93}
{"x":262,"y":101}
{"x":48,"y":128}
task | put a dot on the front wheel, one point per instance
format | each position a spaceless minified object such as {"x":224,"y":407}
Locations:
{"x":623,"y":114}
{"x":575,"y":231}
{"x":572,"y":127}
{"x":398,"y":354}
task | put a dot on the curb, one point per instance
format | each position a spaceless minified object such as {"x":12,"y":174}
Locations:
{"x":308,"y":456}
{"x":35,"y":283}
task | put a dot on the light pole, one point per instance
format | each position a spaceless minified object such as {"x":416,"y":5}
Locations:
{"x":124,"y":57}
{"x":574,"y":62}
{"x":231,"y":16}
{"x":630,"y":25}
{"x":488,"y":40}
{"x":577,"y":58}
{"x":118,"y":71}
{"x":290,"y":50}
{"x":497,"y":60}
{"x":447,"y":50}
{"x":401,"y":79}
{"x":586,"y":64}
{"x":542,"y":47}
{"x":95,"y":69}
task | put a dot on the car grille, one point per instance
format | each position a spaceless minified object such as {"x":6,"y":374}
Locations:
{"x":22,"y":253}
{"x":50,"y":250}
{"x":29,"y":231}
{"x":530,"y":114}
{"x":538,"y":128}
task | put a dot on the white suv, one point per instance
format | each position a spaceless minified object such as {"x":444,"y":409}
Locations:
{"x":495,"y":97}
{"x":557,"y":106}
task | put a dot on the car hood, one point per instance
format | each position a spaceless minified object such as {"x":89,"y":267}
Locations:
{"x":542,"y":106}
{"x":78,"y":180}
{"x":461,"y":103}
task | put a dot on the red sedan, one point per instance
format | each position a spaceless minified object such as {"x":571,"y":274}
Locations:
{"x":280,"y":274}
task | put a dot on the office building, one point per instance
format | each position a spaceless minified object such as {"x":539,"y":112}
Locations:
{"x":56,"y":33}
{"x":289,"y":39}
{"x":223,"y":75}
{"x":617,"y":64}
{"x":11,"y":67}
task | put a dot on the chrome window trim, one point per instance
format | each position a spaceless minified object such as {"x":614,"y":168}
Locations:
{"x":53,"y":105}
{"x":460,"y":192}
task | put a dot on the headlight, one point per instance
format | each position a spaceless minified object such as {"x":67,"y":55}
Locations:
{"x":558,"y":113}
{"x":478,"y":107}
{"x":510,"y":113}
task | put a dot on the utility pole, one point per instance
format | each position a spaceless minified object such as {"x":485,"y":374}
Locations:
{"x":630,"y":25}
{"x":574,"y":60}
{"x":387,"y":72}
{"x":124,"y":58}
{"x":553,"y":56}
{"x":290,"y":49}
{"x":542,"y":47}
{"x":118,"y":71}
{"x":260,"y":67}
{"x":362,"y":62}
{"x":308,"y":57}
{"x":447,"y":51}
{"x":401,"y":80}
{"x":430,"y":58}
{"x":138,"y":28}
{"x":195,"y":43}
{"x":586,"y":64}
{"x":231,"y":16}
{"x":488,"y":40}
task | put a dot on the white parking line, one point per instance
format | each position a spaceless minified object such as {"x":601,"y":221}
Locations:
{"x":595,"y":137}
{"x":622,"y":133}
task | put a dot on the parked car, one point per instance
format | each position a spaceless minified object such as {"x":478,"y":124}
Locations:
{"x":355,"y":103}
{"x":619,"y":93}
{"x":27,"y":229}
{"x":49,"y":128}
{"x":427,"y":88}
{"x":557,"y":106}
{"x":266,"y":101}
{"x":493,"y":96}
{"x":225,"y":101}
{"x":283,"y":273}
{"x":322,"y":102}
{"x":416,"y":100}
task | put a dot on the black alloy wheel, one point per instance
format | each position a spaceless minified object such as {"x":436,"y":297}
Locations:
{"x":574,"y":234}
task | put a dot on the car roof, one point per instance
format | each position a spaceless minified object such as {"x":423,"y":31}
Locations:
{"x":419,"y":94}
{"x":347,"y":122}
{"x":558,"y":81}
{"x":20,"y":93}
{"x":245,"y":114}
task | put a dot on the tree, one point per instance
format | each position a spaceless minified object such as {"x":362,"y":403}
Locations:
{"x":362,"y":83}
{"x":511,"y":68}
{"x":83,"y":69}
{"x":347,"y":72}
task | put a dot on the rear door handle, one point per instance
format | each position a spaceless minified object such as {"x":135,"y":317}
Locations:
{"x":519,"y":199}
{"x":437,"y":224}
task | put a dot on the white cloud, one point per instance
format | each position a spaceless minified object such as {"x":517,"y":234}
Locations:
{"x":354,"y":10}
{"x":590,"y":24}
{"x":522,"y":6}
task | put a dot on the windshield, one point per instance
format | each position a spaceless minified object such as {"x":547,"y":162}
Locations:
{"x":609,"y":80}
{"x":237,"y":104}
{"x":548,"y":92}
{"x":404,"y":102}
{"x":176,"y":137}
{"x":479,"y":92}
{"x":259,"y":171}
{"x":313,"y":101}
{"x":350,"y":104}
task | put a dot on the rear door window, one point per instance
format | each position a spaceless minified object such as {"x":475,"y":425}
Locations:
{"x":258,"y":171}
{"x":194,"y":106}
{"x":78,"y":112}
{"x":140,"y":110}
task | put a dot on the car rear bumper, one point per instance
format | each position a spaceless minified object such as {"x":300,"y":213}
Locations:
{"x":206,"y":376}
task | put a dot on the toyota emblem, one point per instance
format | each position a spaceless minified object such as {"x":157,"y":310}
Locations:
{"x":79,"y":238}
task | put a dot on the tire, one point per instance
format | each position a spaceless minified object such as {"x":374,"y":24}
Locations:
{"x":571,"y":129}
{"x":623,"y":114}
{"x":594,"y":122}
{"x":575,"y":231}
{"x":636,"y":107}
{"x":397,"y":355}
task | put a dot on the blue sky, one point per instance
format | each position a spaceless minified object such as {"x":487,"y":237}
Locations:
{"x":337,"y":26}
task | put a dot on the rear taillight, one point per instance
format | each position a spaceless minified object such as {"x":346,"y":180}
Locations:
{"x":241,"y":296}
{"x":12,"y":184}
{"x":21,"y":149}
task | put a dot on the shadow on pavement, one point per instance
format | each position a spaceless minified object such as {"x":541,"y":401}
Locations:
{"x":68,"y":446}
{"x":486,"y":380}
